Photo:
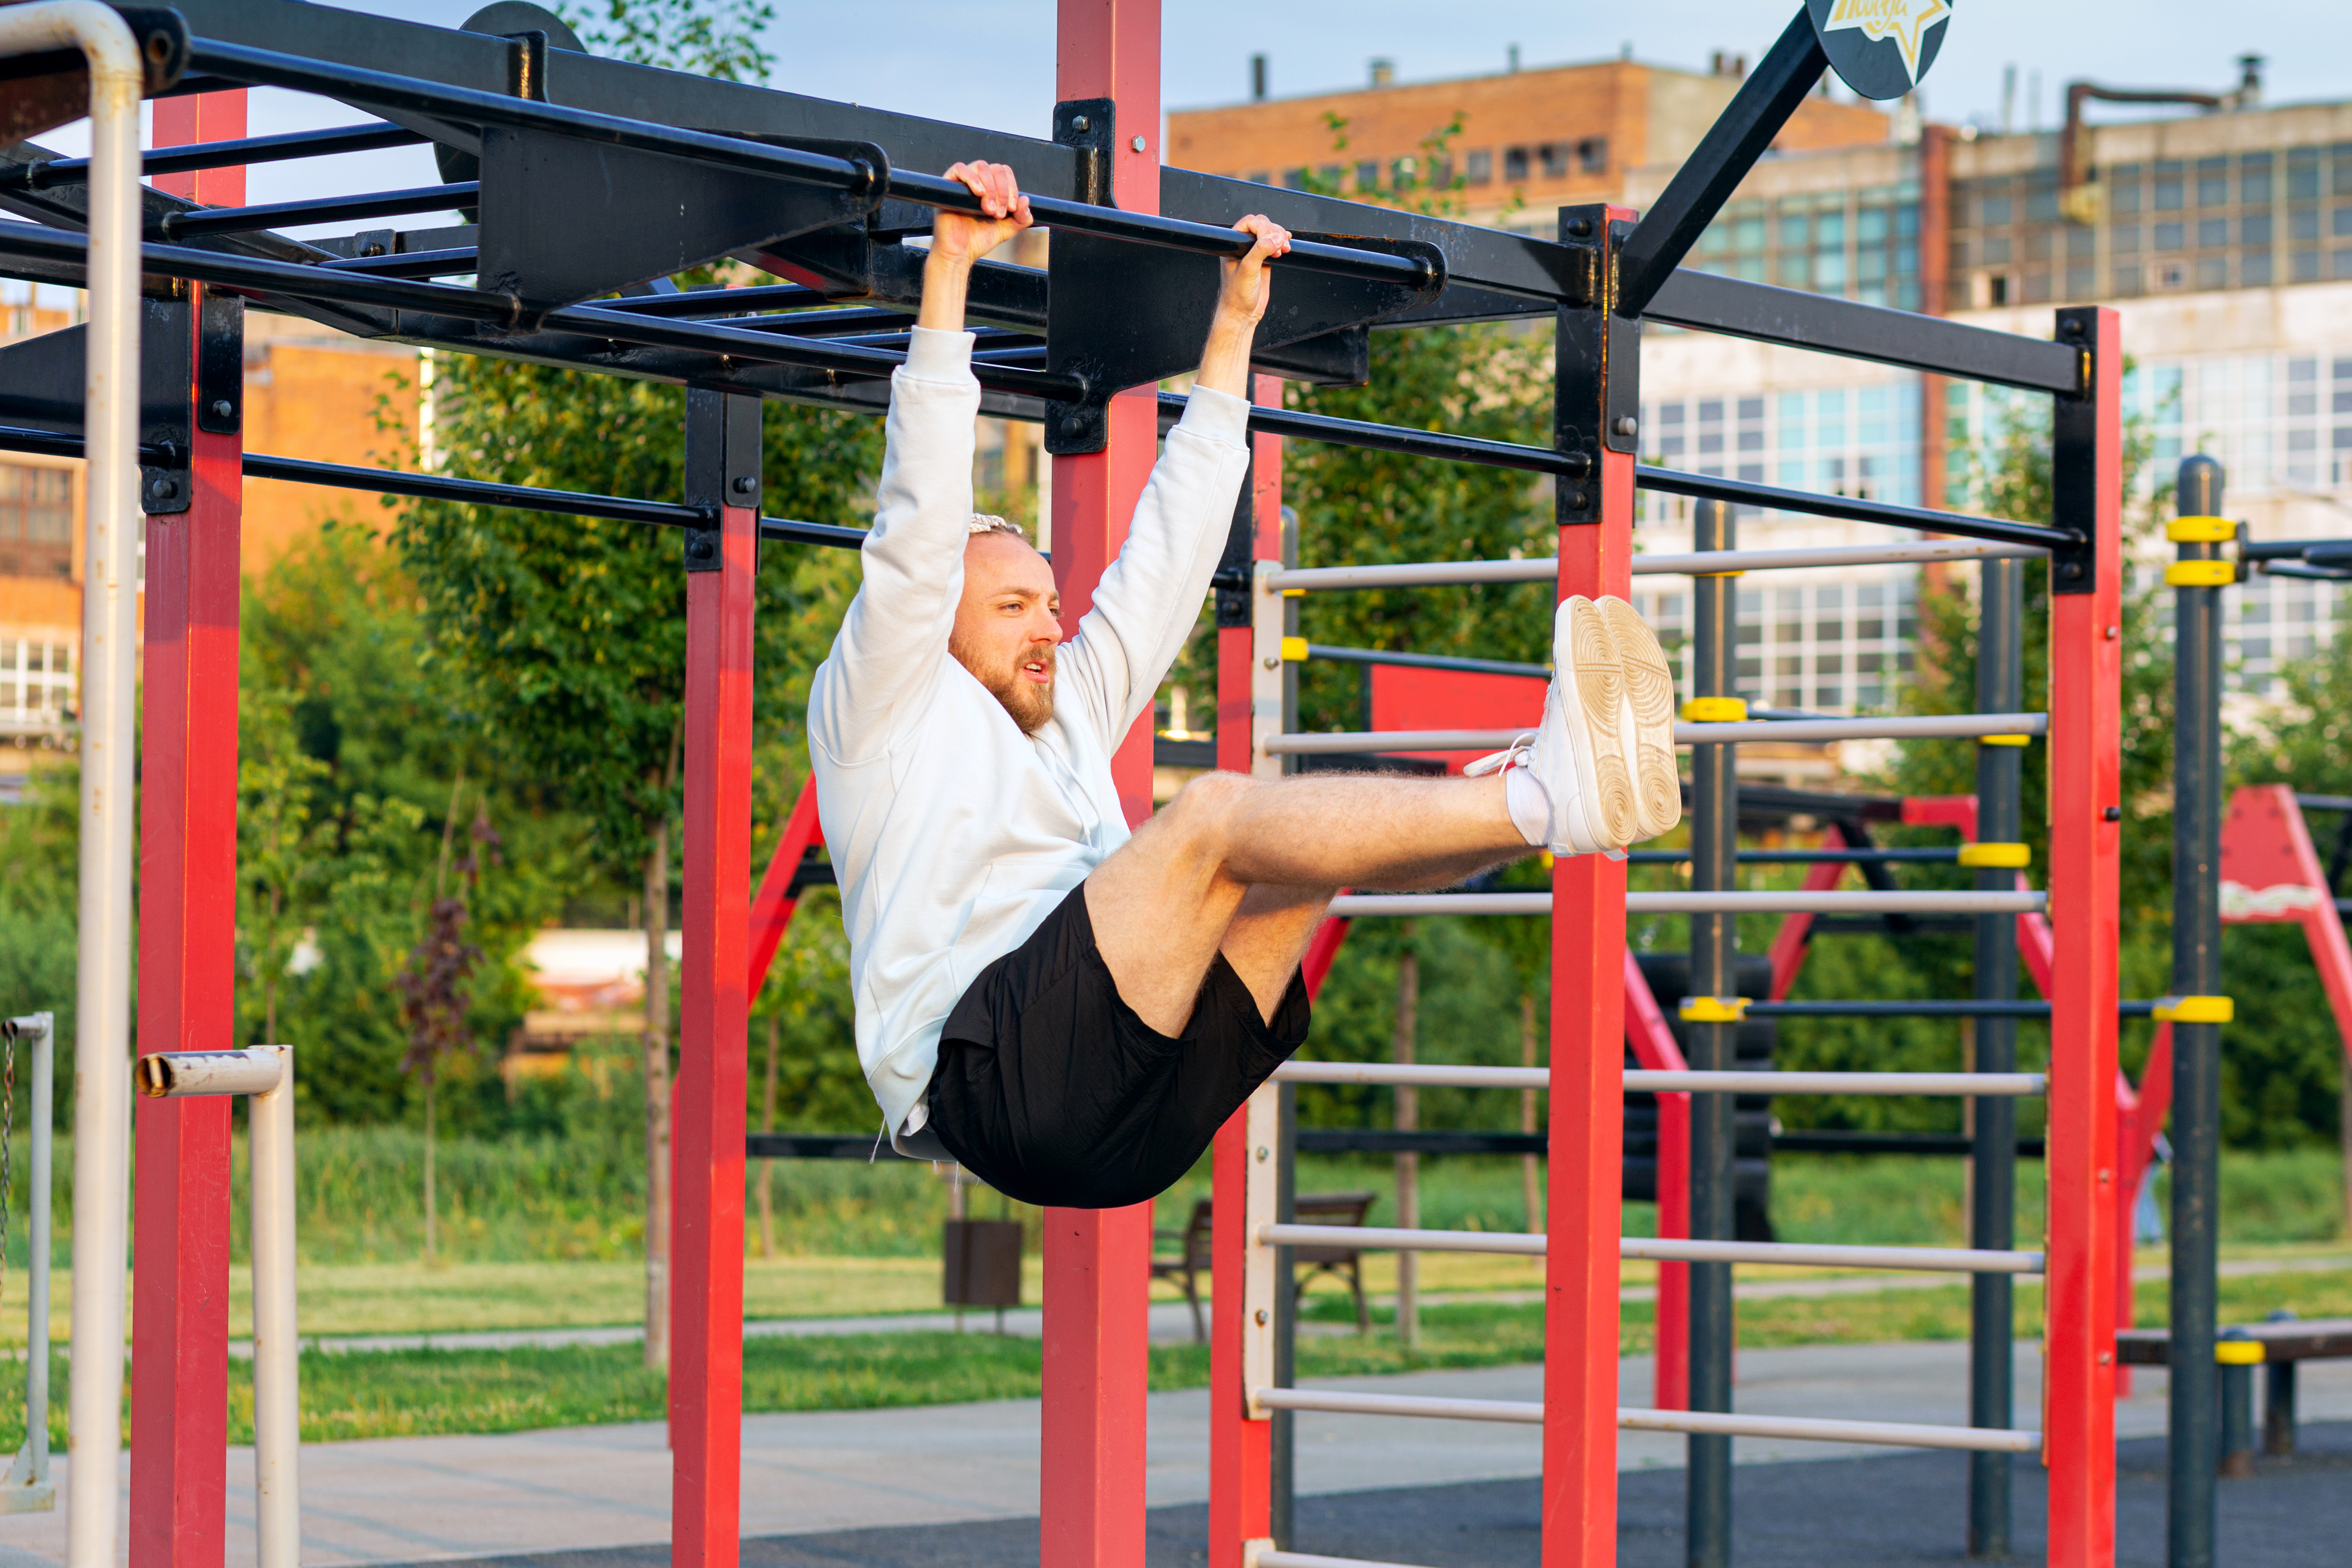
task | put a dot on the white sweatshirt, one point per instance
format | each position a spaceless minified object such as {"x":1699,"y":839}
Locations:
{"x":954,"y":835}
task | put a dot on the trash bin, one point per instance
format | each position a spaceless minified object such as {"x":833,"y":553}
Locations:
{"x":982,"y":1259}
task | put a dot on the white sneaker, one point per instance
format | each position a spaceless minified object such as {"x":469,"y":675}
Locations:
{"x":1649,"y":719}
{"x":1580,"y":754}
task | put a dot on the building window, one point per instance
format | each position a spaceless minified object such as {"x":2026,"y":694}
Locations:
{"x":1478,"y":167}
{"x":2212,"y":272}
{"x":2127,"y":280}
{"x":1555,"y":160}
{"x":2212,"y":233}
{"x":1295,"y":179}
{"x":2255,"y":180}
{"x":1995,"y":212}
{"x":1404,"y":174}
{"x":1262,"y":177}
{"x":1593,"y":154}
{"x":2123,"y":188}
{"x":2168,"y":174}
{"x":2302,"y":175}
{"x":36,"y":522}
{"x":1368,"y":174}
{"x":2123,"y":239}
{"x":1515,"y":164}
{"x":2171,"y":235}
{"x":2212,"y":181}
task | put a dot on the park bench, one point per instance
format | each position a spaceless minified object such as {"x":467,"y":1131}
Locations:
{"x":1192,"y":1254}
{"x":2276,"y":1346}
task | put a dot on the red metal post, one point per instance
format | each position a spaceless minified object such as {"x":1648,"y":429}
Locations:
{"x":187,"y":960}
{"x":722,"y":445}
{"x":1241,"y":1449}
{"x":2085,"y":837}
{"x":1585,"y":1204}
{"x":1098,"y":1261}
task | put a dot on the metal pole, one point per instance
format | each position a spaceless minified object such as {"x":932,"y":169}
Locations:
{"x":36,"y":1303}
{"x":276,"y":1345}
{"x":2195,"y":1450}
{"x":1713,"y":1046}
{"x":1992,"y":1299}
{"x":109,"y":716}
{"x":1283,"y":1461}
{"x":26,"y":1487}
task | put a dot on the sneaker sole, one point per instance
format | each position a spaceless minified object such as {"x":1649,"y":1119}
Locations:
{"x":1588,"y":653}
{"x":1650,"y":694}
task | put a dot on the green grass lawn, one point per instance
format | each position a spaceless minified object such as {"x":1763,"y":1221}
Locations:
{"x":416,"y":1392}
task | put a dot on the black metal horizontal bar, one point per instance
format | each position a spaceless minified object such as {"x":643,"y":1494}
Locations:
{"x":1747,"y":492}
{"x":1438,"y":1141}
{"x":2289,"y":549}
{"x":2307,"y":574}
{"x":443,"y":487}
{"x":482,"y":492}
{"x":1401,"y":438}
{"x":40,"y":176}
{"x":1818,"y":322}
{"x":254,"y":274}
{"x":456,"y":196}
{"x":409,"y":263}
{"x":814,"y":1146}
{"x":1837,"y":1142}
{"x":1170,"y":233}
{"x":282,"y":278}
{"x":2324,"y":802}
{"x":1946,"y":856}
{"x":596,"y":320}
{"x":383,"y":89}
{"x":1426,"y":661}
{"x":1964,"y":1009}
{"x":2022,"y":1009}
{"x":723,"y":301}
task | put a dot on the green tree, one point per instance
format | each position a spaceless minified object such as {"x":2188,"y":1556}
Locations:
{"x":567,"y":634}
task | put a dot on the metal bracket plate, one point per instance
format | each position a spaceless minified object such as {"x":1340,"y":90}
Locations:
{"x":1598,"y":367}
{"x":1127,"y":315}
{"x":42,"y":388}
{"x":565,"y":220}
{"x":220,"y":364}
{"x":2074,"y":478}
{"x":722,"y":466}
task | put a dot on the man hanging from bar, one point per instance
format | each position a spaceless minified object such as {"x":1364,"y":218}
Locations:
{"x":1069,"y":1010}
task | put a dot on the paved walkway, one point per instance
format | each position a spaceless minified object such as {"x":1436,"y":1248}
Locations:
{"x":412,"y":1499}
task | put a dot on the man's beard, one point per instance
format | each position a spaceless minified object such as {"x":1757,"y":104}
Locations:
{"x":1030,"y":704}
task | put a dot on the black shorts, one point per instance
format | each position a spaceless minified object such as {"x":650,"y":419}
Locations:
{"x":1050,"y":1090}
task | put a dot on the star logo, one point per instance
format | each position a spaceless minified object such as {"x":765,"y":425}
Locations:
{"x":1905,"y":21}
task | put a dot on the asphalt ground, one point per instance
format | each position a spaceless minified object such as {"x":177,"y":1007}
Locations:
{"x":1897,"y":1510}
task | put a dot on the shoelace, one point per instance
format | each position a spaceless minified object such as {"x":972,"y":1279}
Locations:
{"x":1498,"y":761}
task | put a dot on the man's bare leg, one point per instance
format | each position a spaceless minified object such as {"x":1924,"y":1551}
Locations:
{"x":1245,"y":865}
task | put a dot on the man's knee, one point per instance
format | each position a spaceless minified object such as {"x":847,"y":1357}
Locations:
{"x":1200,"y":815}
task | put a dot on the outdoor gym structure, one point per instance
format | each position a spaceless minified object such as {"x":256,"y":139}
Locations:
{"x":590,"y":179}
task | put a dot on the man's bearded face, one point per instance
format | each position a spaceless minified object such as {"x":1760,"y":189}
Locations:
{"x":1007,"y":629}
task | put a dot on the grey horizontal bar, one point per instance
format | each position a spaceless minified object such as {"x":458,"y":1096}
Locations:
{"x":1904,"y":727}
{"x":1793,"y":902}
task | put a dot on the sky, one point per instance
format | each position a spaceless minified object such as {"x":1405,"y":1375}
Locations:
{"x":990,"y":62}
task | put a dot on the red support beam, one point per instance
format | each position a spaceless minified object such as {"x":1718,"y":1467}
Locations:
{"x":1098,"y":1262}
{"x":773,"y":906}
{"x":187,"y":959}
{"x":1587,"y":1094}
{"x":2086,"y":839}
{"x":714,"y":1007}
{"x":1653,"y":1039}
{"x":1240,"y":1449}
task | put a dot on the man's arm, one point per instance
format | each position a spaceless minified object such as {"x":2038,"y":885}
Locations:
{"x":895,"y":634}
{"x":1151,"y":595}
